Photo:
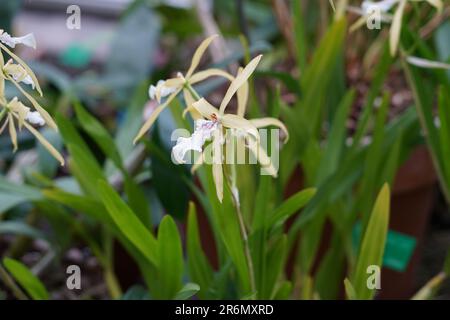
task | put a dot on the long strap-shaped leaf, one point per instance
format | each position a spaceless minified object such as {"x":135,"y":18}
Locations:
{"x":372,"y":249}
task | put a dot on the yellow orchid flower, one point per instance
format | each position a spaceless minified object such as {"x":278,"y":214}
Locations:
{"x":215,"y":120}
{"x":170,"y":88}
{"x":14,"y":111}
{"x":383,"y":7}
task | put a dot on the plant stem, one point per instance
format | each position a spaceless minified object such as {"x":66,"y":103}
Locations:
{"x":244,"y":234}
{"x":246,"y":245}
{"x":194,"y":93}
{"x":110,"y":277}
{"x":2,"y":113}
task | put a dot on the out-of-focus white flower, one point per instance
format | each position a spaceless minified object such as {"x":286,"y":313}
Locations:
{"x":161,"y":90}
{"x":368,"y":8}
{"x":383,"y":6}
{"x":204,"y":130}
{"x":35,"y":118}
{"x":27,"y":40}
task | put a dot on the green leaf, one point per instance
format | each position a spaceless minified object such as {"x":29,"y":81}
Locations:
{"x":168,"y":177}
{"x":291,"y":206}
{"x":380,"y":74}
{"x":69,"y":132}
{"x":369,"y":180}
{"x":170,"y":258}
{"x":128,"y":223}
{"x":349,"y":290}
{"x":275,"y":261}
{"x":329,"y":275}
{"x":301,"y":41}
{"x":189,"y":290}
{"x":85,"y":204}
{"x":336,"y":139}
{"x":20,"y":228}
{"x":424,"y":107}
{"x":32,"y":285}
{"x":317,"y":77}
{"x":138,"y":202}
{"x":86,"y":169}
{"x":373,"y":244}
{"x":226,"y":224}
{"x":136,"y":292}
{"x":284,"y":291}
{"x":12,"y":194}
{"x":100,"y":135}
{"x":200,"y":270}
{"x":444,"y":136}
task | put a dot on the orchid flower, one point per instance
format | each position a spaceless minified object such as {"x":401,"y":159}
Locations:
{"x":14,"y":112}
{"x":384,"y":7}
{"x":212,"y":126}
{"x":27,"y":40}
{"x":18,"y":73}
{"x":170,"y":88}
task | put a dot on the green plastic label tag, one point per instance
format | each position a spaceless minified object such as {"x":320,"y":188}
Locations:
{"x":398,"y":251}
{"x":76,"y":56}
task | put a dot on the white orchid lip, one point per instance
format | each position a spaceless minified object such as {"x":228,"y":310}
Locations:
{"x":160,"y":90}
{"x":27,"y":40}
{"x":383,"y":6}
{"x":204,"y":131}
{"x":35,"y":118}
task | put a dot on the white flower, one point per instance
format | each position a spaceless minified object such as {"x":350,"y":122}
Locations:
{"x":204,"y":130}
{"x":35,"y":118}
{"x":160,"y":90}
{"x":27,"y":40}
{"x":383,"y":6}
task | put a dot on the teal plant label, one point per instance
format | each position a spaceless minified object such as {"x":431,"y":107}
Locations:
{"x":398,"y":251}
{"x":76,"y":56}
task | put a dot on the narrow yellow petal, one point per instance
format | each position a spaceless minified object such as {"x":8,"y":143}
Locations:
{"x":25,"y":66}
{"x":148,"y":124}
{"x":174,"y":82}
{"x":198,"y":55}
{"x":436,"y":3}
{"x":45,"y":143}
{"x":2,"y":78}
{"x":203,"y":75}
{"x":238,"y":82}
{"x":4,"y":125}
{"x":198,"y":163}
{"x":217,"y":164}
{"x":358,"y":24}
{"x":242,"y":97}
{"x":396,"y":27}
{"x":12,"y":131}
{"x":262,"y":157}
{"x":265,"y":122}
{"x":205,"y":108}
{"x":236,"y":122}
{"x":48,"y":119}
